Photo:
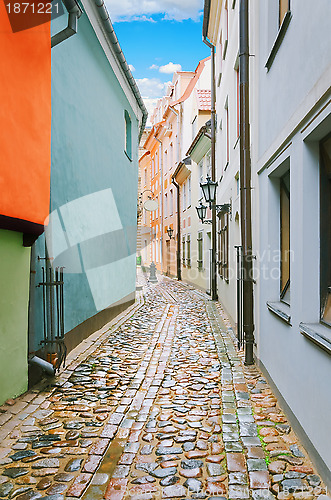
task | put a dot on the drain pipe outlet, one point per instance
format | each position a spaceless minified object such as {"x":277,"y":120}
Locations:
{"x":44,"y":365}
{"x":74,"y":12}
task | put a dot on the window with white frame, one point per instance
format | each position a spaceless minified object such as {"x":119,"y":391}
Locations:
{"x":200,"y":177}
{"x":188,"y":250}
{"x":184,"y":196}
{"x":171,"y":156}
{"x":165,"y":205}
{"x":189,"y":193}
{"x":325,"y":230}
{"x":200,"y":250}
{"x":171,"y":202}
{"x":166,"y":161}
{"x":208,"y":164}
{"x":285,"y":254}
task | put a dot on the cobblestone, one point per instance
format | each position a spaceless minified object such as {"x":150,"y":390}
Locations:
{"x":158,"y":404}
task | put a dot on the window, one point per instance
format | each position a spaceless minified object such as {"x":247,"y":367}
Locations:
{"x":284,"y":7}
{"x":189,"y":193}
{"x":171,"y":202}
{"x":145,"y":177}
{"x":208,"y":161}
{"x":171,"y":156}
{"x":157,"y":251}
{"x":237,"y":183}
{"x":128,"y":138}
{"x":279,"y":20}
{"x":238,"y":101}
{"x":223,"y":242}
{"x":194,"y":127}
{"x":285,"y":238}
{"x":227,"y":138}
{"x":325,"y":229}
{"x":200,"y":251}
{"x":183,"y":250}
{"x":226,"y":30}
{"x":188,"y":250}
{"x":165,"y":205}
{"x":165,"y":161}
{"x":184,"y":196}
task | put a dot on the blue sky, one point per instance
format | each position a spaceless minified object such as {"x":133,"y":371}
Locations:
{"x":158,"y":37}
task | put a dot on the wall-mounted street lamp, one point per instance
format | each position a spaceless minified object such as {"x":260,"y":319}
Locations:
{"x":202,"y":211}
{"x":170,"y":232}
{"x":209,"y":191}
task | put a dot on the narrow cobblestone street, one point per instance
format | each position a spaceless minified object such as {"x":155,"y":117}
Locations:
{"x":158,"y":406}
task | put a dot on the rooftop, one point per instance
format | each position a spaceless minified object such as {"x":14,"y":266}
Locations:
{"x":204,"y":100}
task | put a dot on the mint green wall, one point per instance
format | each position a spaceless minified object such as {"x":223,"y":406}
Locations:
{"x":14,"y":301}
{"x":93,"y":222}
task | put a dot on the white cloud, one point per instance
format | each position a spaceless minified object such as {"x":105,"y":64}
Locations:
{"x":132,"y":68}
{"x":154,"y":66}
{"x":151,"y":90}
{"x":170,"y":68}
{"x":128,"y":10}
{"x":151,"y":87}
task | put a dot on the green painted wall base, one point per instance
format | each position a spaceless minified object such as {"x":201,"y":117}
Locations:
{"x":14,"y":302}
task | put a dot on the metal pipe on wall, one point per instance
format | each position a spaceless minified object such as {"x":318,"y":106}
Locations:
{"x":161,"y":201}
{"x":213,"y":278}
{"x":245,"y":183}
{"x":179,"y":271}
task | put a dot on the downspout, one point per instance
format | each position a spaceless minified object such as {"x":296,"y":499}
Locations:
{"x":161,"y":204}
{"x":104,"y":16}
{"x":74,"y":13}
{"x":213,"y":278}
{"x":245,"y":183}
{"x":179,"y":271}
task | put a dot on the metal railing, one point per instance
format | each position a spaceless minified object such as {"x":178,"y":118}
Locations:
{"x":54,"y":348}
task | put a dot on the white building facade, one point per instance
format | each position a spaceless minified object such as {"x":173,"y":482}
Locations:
{"x":292,"y":164}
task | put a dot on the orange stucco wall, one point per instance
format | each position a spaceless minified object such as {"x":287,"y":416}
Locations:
{"x":25,"y":121}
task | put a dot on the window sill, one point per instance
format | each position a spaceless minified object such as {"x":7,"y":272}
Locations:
{"x":280,"y":309}
{"x":279,"y":39}
{"x":128,"y":157}
{"x":317,"y":333}
{"x":226,"y":165}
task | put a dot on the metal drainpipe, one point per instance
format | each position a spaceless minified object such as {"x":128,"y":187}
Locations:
{"x":74,"y":13}
{"x":213,"y":280}
{"x":245,"y":183}
{"x":161,"y":201}
{"x":179,"y":271}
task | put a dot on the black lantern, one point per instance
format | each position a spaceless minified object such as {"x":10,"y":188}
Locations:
{"x":170,"y":232}
{"x":202,"y":211}
{"x":209,"y":190}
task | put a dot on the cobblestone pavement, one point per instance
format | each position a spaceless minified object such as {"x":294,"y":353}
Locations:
{"x":158,"y":406}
